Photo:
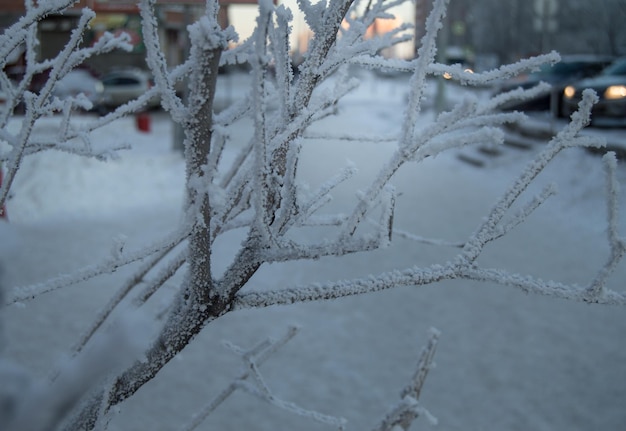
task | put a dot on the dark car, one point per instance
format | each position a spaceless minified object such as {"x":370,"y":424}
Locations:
{"x":610,"y":86}
{"x":569,"y":70}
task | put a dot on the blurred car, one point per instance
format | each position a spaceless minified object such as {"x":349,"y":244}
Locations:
{"x":80,"y":81}
{"x":569,"y":70}
{"x":610,"y":86}
{"x":123,"y":85}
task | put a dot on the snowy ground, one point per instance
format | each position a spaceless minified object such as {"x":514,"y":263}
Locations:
{"x":506,"y":361}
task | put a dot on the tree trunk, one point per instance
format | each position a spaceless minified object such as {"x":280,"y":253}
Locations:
{"x":198,"y":302}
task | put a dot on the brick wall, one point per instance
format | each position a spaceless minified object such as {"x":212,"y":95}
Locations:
{"x":11,"y":6}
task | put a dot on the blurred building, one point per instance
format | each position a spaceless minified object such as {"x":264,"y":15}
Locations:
{"x":117,"y":16}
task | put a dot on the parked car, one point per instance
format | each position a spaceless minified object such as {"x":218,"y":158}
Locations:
{"x":569,"y":70}
{"x":79,"y":81}
{"x":123,"y":85}
{"x":610,"y":86}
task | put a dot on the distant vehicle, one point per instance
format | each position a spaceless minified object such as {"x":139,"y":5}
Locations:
{"x":79,"y":81}
{"x":123,"y":85}
{"x":569,"y":70}
{"x":610,"y":86}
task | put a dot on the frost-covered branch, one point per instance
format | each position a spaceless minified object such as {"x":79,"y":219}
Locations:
{"x":259,"y":190}
{"x":262,"y":392}
{"x":156,"y":61}
{"x":325,"y":25}
{"x":617,"y":243}
{"x":565,"y":138}
{"x":38,"y":105}
{"x":425,"y":57}
{"x":257,"y":386}
{"x":490,"y":230}
{"x":537,"y":286}
{"x":321,"y":291}
{"x":353,"y":42}
{"x":131,"y":283}
{"x":108,"y":266}
{"x":427,"y":143}
{"x":457,"y":72}
{"x":14,"y":35}
{"x":258,"y":354}
{"x":404,"y":413}
{"x":43,"y":405}
{"x":41,"y":104}
{"x":524,"y":212}
{"x":431,"y":241}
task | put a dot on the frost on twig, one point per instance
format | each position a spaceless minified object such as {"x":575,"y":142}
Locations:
{"x":401,"y":416}
{"x":458,"y":73}
{"x":495,"y":225}
{"x":43,"y":405}
{"x":251,"y":381}
{"x":43,"y":103}
{"x":108,"y":266}
{"x":617,"y":243}
{"x":259,"y":190}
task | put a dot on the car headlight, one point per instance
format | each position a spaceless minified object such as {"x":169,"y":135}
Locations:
{"x":615,"y":92}
{"x":569,"y":91}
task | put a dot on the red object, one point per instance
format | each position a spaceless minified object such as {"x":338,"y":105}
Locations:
{"x":143,"y":122}
{"x":3,"y":210}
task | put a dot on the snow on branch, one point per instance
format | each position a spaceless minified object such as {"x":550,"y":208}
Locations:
{"x":262,"y":391}
{"x":43,"y":405}
{"x":156,"y":61}
{"x":42,"y":104}
{"x":317,"y":135}
{"x":285,"y":251}
{"x":427,"y":143}
{"x":402,"y":415}
{"x":327,"y":27}
{"x":342,"y":288}
{"x":425,"y":57}
{"x":279,"y":40}
{"x":617,"y":243}
{"x":420,"y":277}
{"x":353,"y":43}
{"x":264,"y":175}
{"x":524,"y":212}
{"x":491,"y":229}
{"x":431,"y":241}
{"x":458,"y":72}
{"x":13,"y":36}
{"x":565,"y":138}
{"x":518,"y":94}
{"x":253,"y":359}
{"x":85,"y":149}
{"x":537,"y":286}
{"x":260,"y":188}
{"x":164,"y":274}
{"x":39,"y":105}
{"x":26,"y":293}
{"x":259,"y":388}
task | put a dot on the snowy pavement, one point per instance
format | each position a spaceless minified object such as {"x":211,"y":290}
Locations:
{"x":506,"y":361}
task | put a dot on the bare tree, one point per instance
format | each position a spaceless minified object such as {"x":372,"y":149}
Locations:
{"x":260,"y":191}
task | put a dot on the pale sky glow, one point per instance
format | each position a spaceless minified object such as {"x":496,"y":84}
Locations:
{"x":242,"y":18}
